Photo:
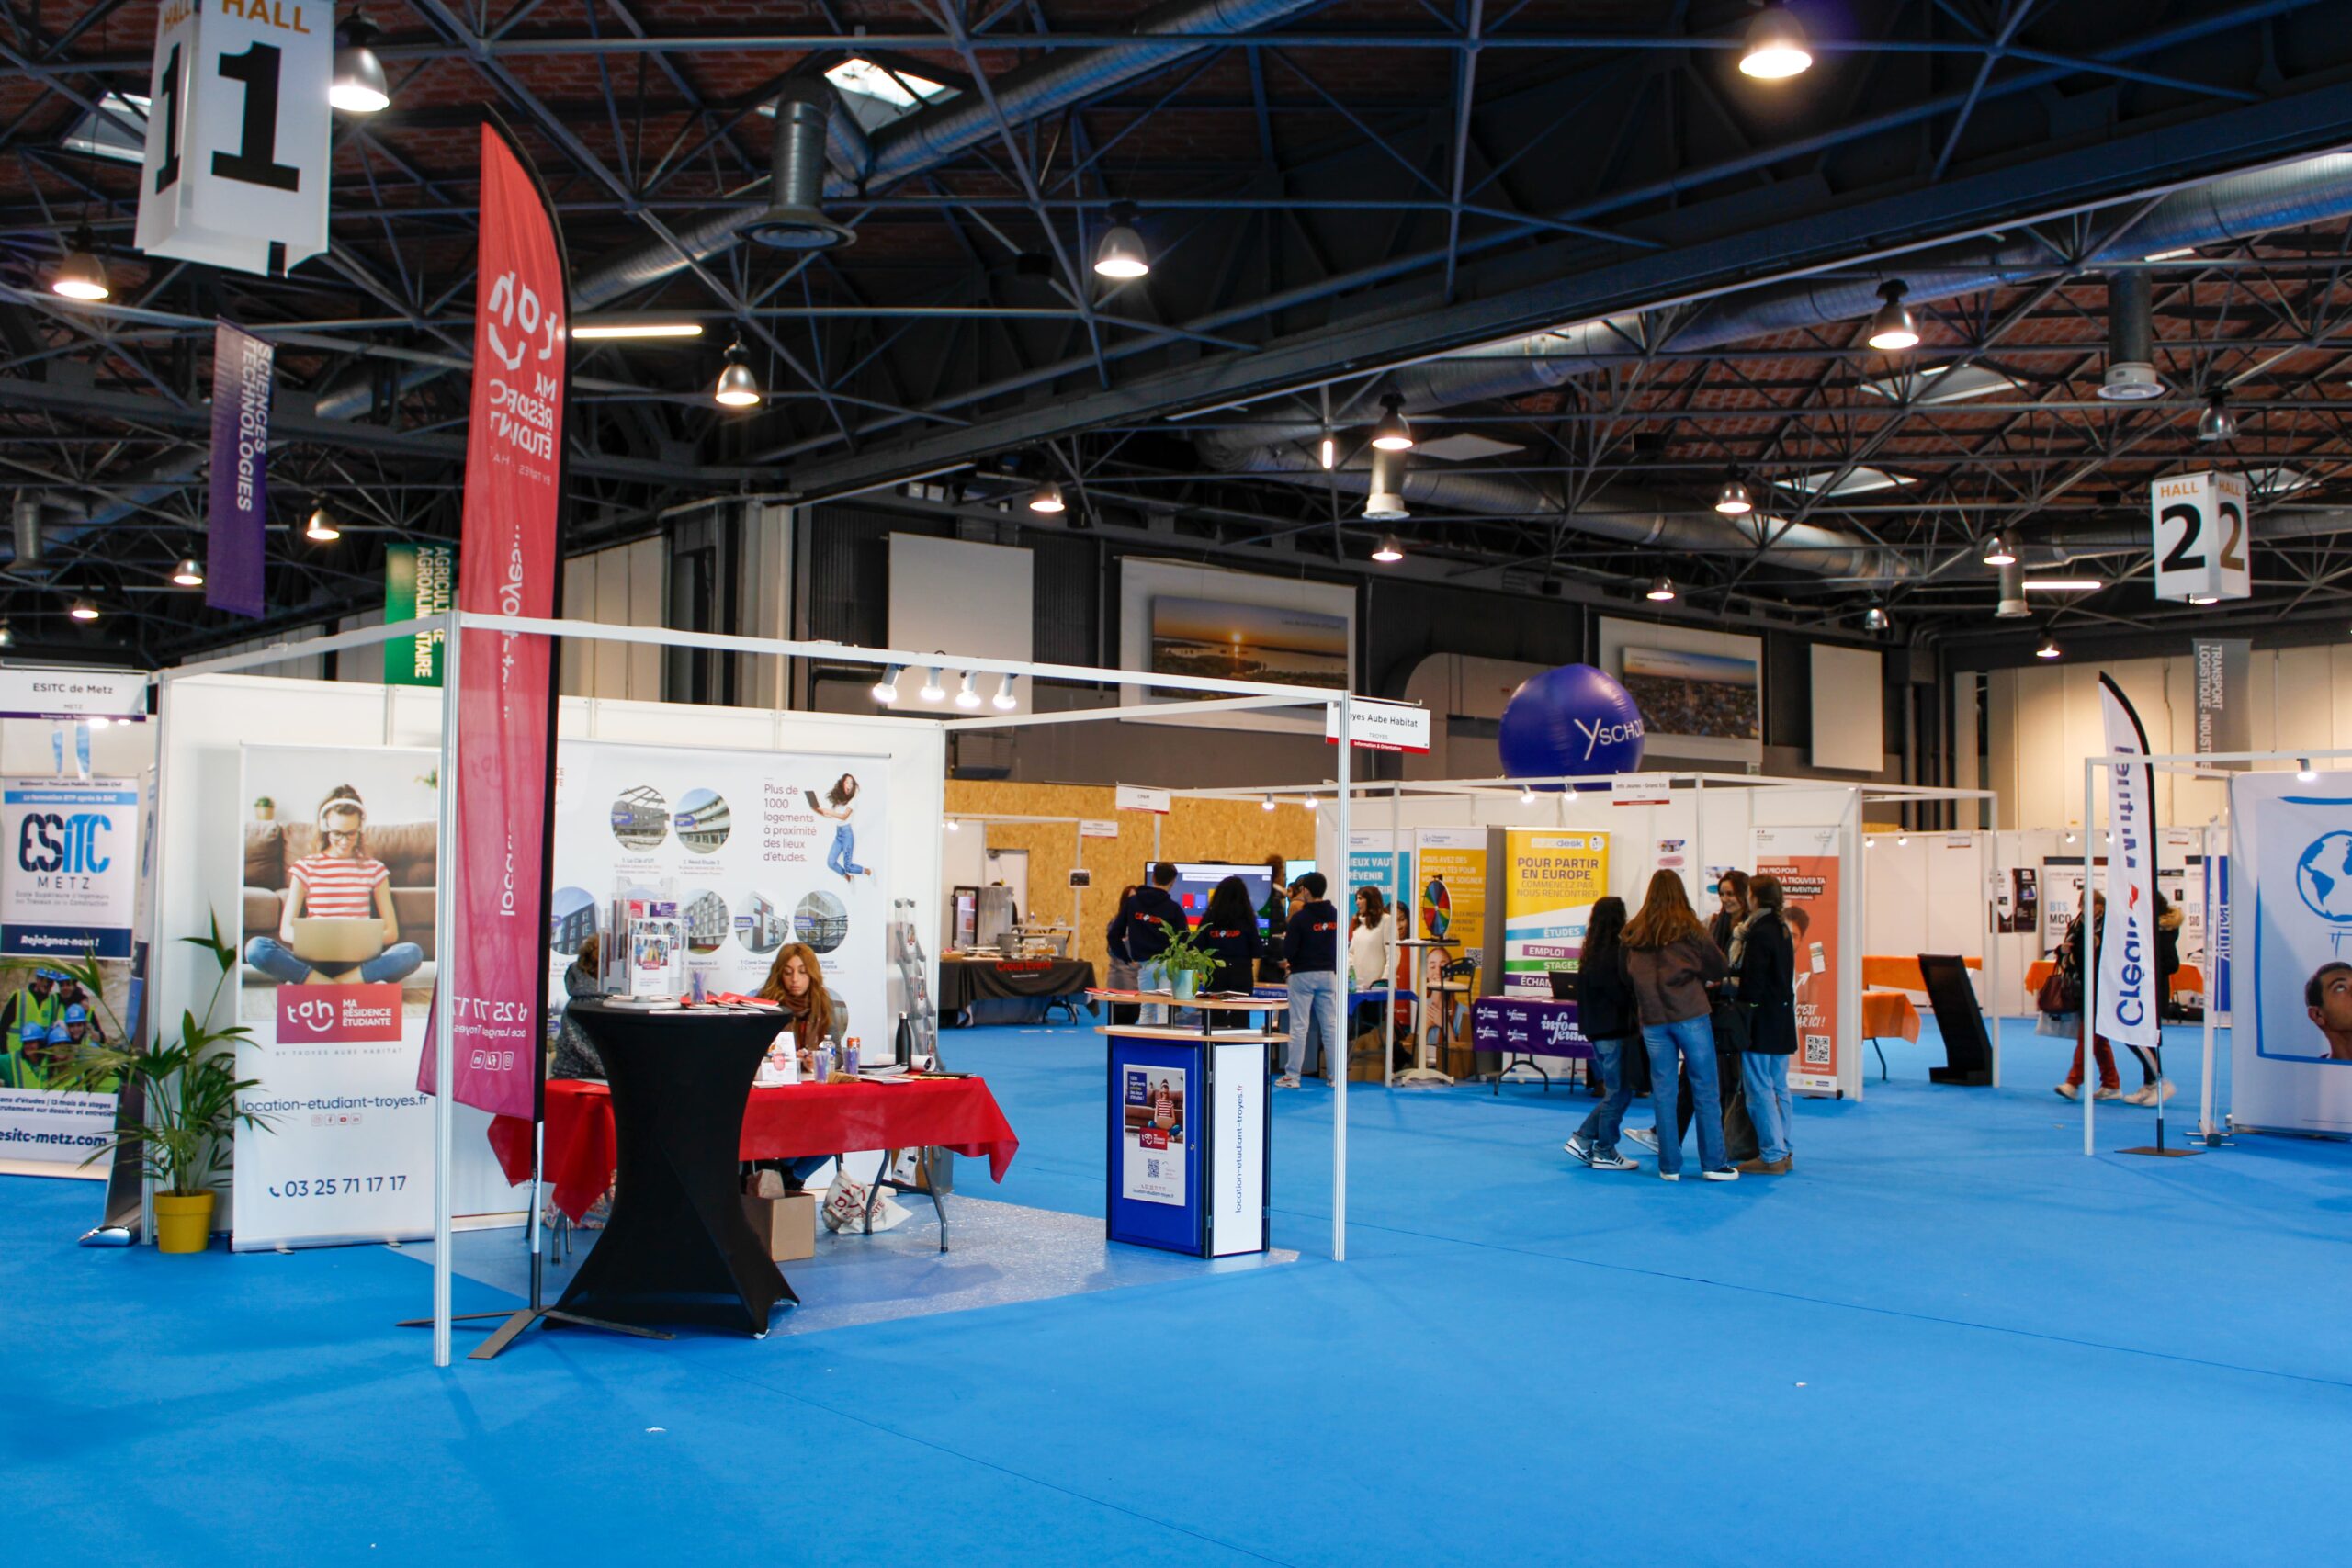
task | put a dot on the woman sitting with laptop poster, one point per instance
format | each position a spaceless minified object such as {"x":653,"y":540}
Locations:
{"x":337,"y":927}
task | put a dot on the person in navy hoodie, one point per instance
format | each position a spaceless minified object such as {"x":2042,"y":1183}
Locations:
{"x":1311,"y":952}
{"x":1229,"y":929}
{"x":1142,"y":931}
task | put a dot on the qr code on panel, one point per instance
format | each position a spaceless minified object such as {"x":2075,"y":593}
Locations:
{"x":1151,"y":1167}
{"x":1817,"y":1051}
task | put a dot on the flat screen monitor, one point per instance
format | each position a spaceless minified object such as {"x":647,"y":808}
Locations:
{"x":1197,"y":879}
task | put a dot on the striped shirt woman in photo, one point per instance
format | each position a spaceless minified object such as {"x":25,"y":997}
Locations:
{"x":340,"y":881}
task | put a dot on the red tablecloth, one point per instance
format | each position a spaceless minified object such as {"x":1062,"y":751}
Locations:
{"x":778,"y":1123}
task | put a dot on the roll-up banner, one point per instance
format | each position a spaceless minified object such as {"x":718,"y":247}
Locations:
{"x":340,"y":950}
{"x":69,"y":887}
{"x":1451,"y":869}
{"x":2127,"y":1003}
{"x":2224,"y":695}
{"x":1805,"y":860}
{"x":508,"y":565}
{"x":1550,"y":883}
{"x":2292,"y":1001}
{"x":241,"y":370}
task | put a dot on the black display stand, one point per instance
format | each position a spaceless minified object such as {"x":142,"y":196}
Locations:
{"x":678,"y":1247}
{"x":1968,"y":1053}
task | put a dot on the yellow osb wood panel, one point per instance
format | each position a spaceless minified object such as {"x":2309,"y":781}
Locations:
{"x":1238,"y":830}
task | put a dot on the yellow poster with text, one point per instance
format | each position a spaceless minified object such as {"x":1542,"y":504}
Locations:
{"x":1450,"y":904}
{"x":1551,"y":880}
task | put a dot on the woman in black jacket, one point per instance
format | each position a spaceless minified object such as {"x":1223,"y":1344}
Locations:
{"x":1606,"y":1017}
{"x":1229,"y":929}
{"x":1766,"y":975}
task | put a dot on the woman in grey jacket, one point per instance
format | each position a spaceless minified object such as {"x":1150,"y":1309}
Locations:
{"x":1670,"y":958}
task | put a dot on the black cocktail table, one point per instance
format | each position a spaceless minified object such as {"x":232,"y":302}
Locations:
{"x":678,"y":1236}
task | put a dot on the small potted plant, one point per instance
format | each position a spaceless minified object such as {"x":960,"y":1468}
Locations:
{"x":265,"y":809}
{"x":188,"y":1091}
{"x":1188,"y":964}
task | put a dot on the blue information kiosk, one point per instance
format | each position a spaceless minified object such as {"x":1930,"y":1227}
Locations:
{"x":1190,"y":1128}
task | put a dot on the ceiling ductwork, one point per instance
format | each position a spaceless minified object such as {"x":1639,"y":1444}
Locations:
{"x":2131,"y":339}
{"x":795,"y":219}
{"x":2236,"y":207}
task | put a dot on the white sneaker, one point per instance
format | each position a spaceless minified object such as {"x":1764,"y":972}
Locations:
{"x":1285,"y":1081}
{"x":1612,"y":1160}
{"x":2166,"y":1089}
{"x":1669,"y":1176}
{"x":1720,"y":1173}
{"x":2108,"y":1094}
{"x":1579,"y":1148}
{"x":2144,"y":1094}
{"x":2064,"y":1090}
{"x":1646,"y":1137}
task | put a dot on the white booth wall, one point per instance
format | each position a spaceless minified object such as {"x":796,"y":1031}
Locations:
{"x":208,"y":718}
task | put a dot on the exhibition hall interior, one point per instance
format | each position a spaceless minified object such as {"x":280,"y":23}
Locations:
{"x":1305,"y":782}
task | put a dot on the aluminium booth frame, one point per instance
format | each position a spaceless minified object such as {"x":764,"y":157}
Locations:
{"x":1562,"y":789}
{"x":1223,"y":696}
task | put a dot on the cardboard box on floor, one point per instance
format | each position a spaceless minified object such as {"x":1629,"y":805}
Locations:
{"x":785,"y":1226}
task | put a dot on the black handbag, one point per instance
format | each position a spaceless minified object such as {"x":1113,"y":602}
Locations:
{"x":1729,"y":1019}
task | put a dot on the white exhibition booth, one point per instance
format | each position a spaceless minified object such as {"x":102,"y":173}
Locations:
{"x":222,"y":728}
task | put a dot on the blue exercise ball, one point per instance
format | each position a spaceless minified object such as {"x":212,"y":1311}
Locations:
{"x":1572,"y":720}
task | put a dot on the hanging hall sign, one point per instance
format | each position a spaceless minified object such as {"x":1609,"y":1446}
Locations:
{"x":237,"y":149}
{"x":2200,"y":537}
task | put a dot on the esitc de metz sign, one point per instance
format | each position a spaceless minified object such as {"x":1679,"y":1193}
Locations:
{"x":68,"y":696}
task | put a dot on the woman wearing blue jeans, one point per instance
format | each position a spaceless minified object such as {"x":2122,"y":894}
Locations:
{"x":1606,"y":1016}
{"x":1670,"y":958}
{"x":842,"y":859}
{"x":1767,"y":981}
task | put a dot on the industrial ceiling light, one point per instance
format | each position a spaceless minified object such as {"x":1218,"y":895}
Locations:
{"x":1121,"y":255}
{"x":1046,"y":498}
{"x":1393,"y":432}
{"x":592,"y":331}
{"x":2131,"y":340}
{"x":969,"y":694}
{"x":81,"y":274}
{"x":187,"y":574}
{"x":1310,"y":802}
{"x":321,"y":529}
{"x":358,"y":86}
{"x":1777,"y":48}
{"x":2048,"y":648}
{"x":2066,"y":586}
{"x":2010,"y":605}
{"x":1385,"y":501}
{"x":2204,"y":598}
{"x":1997,"y":552}
{"x":1661,"y":588}
{"x":1874,"y":619}
{"x":1891,"y":328}
{"x":2217,"y":423}
{"x":885,"y":690}
{"x":1527,"y":794}
{"x":1266,"y":803}
{"x":83,"y":609}
{"x":1732,"y":499}
{"x":2304,"y":772}
{"x":1327,"y":451}
{"x":931,"y":690}
{"x":738,"y":387}
{"x":7,"y":635}
{"x":1002,"y":702}
{"x":1389,"y":551}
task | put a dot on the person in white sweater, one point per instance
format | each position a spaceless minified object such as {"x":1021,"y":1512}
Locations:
{"x":1372,"y":942}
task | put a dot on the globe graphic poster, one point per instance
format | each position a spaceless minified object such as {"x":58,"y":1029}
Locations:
{"x":2323,"y":876}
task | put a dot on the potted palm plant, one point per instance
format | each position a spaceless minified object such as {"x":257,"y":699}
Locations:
{"x":189,"y":1086}
{"x":1189,"y":965}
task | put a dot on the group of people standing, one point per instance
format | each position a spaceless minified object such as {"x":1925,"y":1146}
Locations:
{"x":2061,"y":1006}
{"x":1703,"y":1014}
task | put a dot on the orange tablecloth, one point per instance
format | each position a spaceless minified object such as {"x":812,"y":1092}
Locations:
{"x":1900,"y":972}
{"x":778,"y":1123}
{"x":2188,"y":977}
{"x":1886,"y":1014}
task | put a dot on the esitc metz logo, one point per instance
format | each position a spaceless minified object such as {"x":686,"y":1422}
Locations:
{"x":63,"y":849}
{"x":338,"y":1015}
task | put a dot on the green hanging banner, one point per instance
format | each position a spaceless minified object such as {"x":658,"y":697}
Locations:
{"x":419,"y":580}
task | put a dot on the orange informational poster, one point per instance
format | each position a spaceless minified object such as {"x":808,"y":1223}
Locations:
{"x":1805,"y":860}
{"x":1452,"y":900}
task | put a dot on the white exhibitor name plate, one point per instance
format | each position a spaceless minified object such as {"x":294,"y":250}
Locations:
{"x":73,"y":694}
{"x":1380,"y":727}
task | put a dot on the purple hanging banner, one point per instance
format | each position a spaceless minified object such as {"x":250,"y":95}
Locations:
{"x":240,"y":384}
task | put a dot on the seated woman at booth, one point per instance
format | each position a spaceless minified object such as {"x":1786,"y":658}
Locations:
{"x":796,"y":983}
{"x":575,"y":1057}
{"x":1229,"y":929}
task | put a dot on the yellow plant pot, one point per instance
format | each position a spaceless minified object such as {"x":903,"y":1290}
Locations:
{"x":183,"y":1223}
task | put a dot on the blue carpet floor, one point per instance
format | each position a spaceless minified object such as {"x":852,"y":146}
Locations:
{"x":1949,"y":1338}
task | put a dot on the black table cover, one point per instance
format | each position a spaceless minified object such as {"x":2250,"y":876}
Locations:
{"x":963,"y":980}
{"x":678,"y":1236}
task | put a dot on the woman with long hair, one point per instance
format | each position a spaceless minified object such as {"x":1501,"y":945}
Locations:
{"x":2076,"y":950}
{"x":842,"y":859}
{"x":575,"y":1057}
{"x":1607,"y":1015}
{"x":1732,"y":907}
{"x":1669,"y":958}
{"x":339,"y":881}
{"x":1229,"y":929}
{"x":796,"y":983}
{"x":1764,"y":963}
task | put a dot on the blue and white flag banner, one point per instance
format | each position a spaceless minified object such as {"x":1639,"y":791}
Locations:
{"x":2131,"y":991}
